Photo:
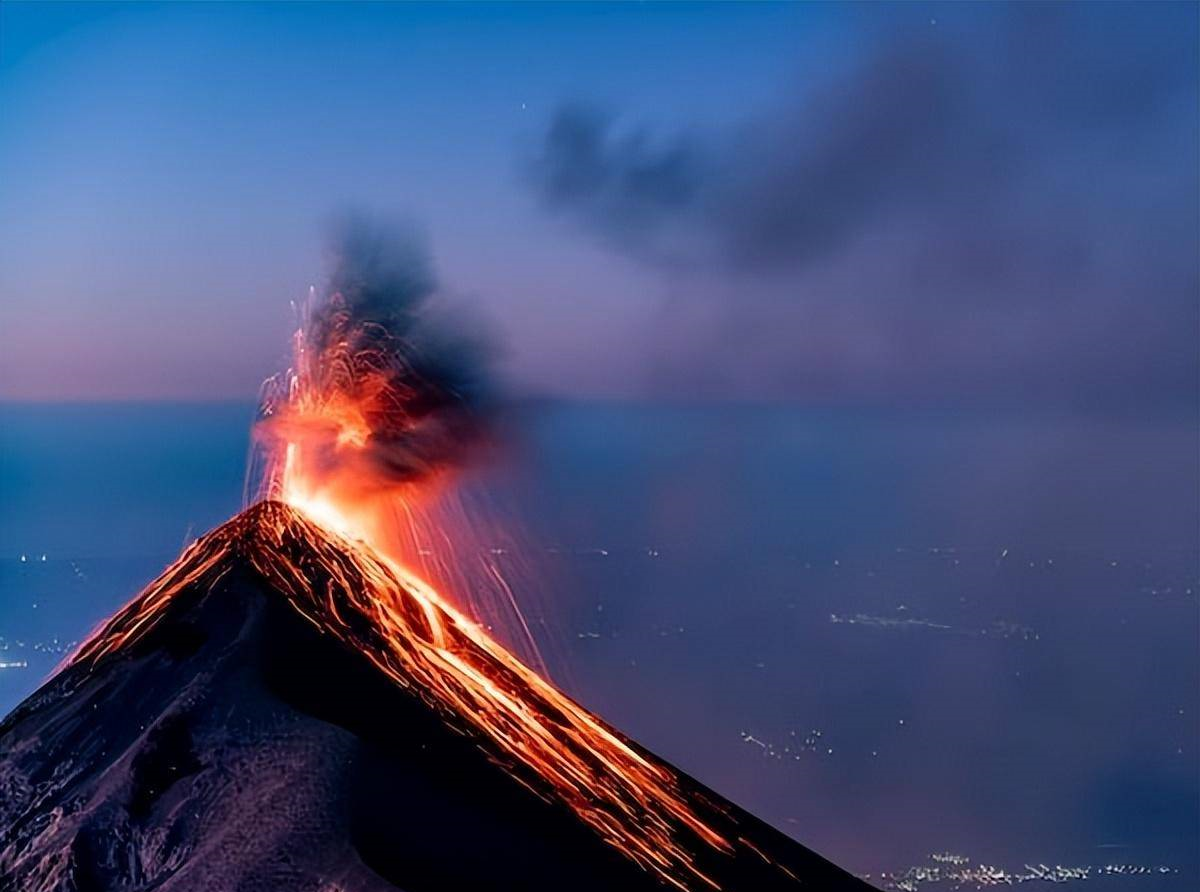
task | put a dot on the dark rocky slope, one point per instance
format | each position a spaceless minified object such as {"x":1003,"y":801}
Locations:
{"x":234,"y":746}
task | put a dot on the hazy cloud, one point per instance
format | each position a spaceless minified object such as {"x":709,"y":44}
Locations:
{"x":1008,"y":200}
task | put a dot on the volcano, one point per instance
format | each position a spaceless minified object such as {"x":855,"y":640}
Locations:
{"x":284,"y":710}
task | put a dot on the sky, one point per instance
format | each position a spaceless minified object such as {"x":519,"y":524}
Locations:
{"x":897,"y":205}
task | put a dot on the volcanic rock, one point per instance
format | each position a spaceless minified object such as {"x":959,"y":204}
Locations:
{"x":233,"y":742}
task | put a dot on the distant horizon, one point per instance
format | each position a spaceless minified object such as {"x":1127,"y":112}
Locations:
{"x":1179,"y":412}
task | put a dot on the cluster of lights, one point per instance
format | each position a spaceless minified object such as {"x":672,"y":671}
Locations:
{"x":957,"y":871}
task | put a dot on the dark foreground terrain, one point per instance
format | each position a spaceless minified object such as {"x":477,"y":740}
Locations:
{"x":236,"y":747}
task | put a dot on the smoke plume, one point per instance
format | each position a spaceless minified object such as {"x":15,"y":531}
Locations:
{"x":996,"y":206}
{"x":387,"y":386}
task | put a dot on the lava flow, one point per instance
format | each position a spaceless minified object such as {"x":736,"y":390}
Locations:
{"x":550,"y":743}
{"x":357,"y":440}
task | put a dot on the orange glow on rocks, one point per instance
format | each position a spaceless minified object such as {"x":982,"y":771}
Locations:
{"x":412,"y":634}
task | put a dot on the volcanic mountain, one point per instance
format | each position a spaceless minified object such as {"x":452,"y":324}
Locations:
{"x":284,"y":710}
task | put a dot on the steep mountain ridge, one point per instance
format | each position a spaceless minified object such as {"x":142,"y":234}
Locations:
{"x":242,"y":725}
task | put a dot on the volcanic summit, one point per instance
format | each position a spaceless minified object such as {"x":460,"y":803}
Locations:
{"x":283,"y":710}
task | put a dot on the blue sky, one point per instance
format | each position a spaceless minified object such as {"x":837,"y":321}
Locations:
{"x":166,"y":172}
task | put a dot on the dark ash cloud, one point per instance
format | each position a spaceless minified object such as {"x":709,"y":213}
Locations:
{"x":392,"y":388}
{"x":625,"y":186}
{"x":1027,"y":182}
{"x":380,"y":328}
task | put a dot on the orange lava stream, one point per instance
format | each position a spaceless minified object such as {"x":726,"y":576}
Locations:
{"x":409,"y":631}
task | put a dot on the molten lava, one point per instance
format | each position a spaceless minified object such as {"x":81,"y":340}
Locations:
{"x":409,"y":631}
{"x":423,"y":641}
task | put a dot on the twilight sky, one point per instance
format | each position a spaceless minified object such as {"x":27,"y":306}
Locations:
{"x":902,"y":204}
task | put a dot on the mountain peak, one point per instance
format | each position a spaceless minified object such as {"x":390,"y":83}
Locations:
{"x":273,"y":619}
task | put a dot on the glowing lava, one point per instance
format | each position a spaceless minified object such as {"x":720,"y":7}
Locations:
{"x":402,"y":625}
{"x":419,"y":637}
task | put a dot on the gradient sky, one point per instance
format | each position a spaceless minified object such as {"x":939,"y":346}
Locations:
{"x":894,"y":204}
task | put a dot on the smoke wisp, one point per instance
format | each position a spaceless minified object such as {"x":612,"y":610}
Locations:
{"x":1000,"y":206}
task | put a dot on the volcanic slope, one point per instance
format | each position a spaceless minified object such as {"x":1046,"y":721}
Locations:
{"x":245,"y":725}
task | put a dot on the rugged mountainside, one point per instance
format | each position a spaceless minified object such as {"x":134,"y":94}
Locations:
{"x":229,"y":739}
